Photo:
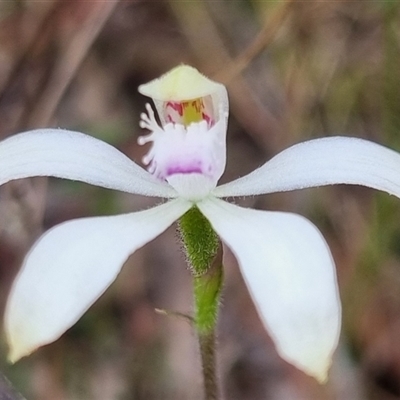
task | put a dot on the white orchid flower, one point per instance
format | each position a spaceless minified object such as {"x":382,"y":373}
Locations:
{"x":285,"y":261}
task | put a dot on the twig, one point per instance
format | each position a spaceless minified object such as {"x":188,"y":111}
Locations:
{"x":260,"y":42}
{"x":69,"y":61}
{"x":7,"y":392}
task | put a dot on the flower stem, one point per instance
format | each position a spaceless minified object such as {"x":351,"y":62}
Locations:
{"x":207,"y":289}
{"x":207,"y":351}
{"x":204,"y":255}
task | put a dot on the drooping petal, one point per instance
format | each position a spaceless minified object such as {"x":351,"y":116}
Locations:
{"x":322,"y":162}
{"x":290,"y":275}
{"x":73,"y":155}
{"x":70,"y":267}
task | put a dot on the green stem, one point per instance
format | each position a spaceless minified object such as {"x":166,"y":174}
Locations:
{"x":205,"y":259}
{"x":207,"y":351}
{"x":207,"y":289}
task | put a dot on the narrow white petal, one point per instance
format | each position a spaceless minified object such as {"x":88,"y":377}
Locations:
{"x":73,"y":155}
{"x":70,"y":267}
{"x":290,"y":275}
{"x":320,"y":162}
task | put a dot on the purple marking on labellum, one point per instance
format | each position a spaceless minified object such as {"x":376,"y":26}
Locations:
{"x":193,"y":167}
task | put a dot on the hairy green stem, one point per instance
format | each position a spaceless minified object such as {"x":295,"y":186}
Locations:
{"x":207,"y":289}
{"x":207,"y":352}
{"x":204,"y":254}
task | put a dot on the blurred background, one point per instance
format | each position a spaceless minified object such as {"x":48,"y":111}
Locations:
{"x":295,"y":70}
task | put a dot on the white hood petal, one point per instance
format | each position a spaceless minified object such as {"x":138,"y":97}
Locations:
{"x":322,"y":162}
{"x":290,"y":275}
{"x":69,"y":268}
{"x":73,"y":155}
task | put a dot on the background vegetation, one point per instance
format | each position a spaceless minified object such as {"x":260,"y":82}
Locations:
{"x":295,"y":70}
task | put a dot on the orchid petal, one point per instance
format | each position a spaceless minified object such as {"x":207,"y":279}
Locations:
{"x":290,"y":275}
{"x":70,"y":267}
{"x":321,"y":162}
{"x":73,"y":155}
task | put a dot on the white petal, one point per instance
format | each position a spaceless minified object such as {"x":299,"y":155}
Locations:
{"x":176,"y":149}
{"x":322,"y":162}
{"x":70,"y":267}
{"x":290,"y":274}
{"x":73,"y":155}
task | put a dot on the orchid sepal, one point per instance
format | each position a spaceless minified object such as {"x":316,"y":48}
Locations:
{"x":181,"y":85}
{"x":69,"y":268}
{"x":76,"y":156}
{"x":321,"y":162}
{"x":290,"y":274}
